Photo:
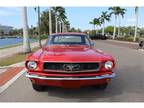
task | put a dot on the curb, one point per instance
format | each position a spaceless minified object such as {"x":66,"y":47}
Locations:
{"x":123,"y":42}
{"x":13,"y":65}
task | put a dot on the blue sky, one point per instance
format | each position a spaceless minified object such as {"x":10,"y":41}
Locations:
{"x":79,"y":16}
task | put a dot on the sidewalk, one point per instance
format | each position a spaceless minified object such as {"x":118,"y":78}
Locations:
{"x":10,"y":74}
{"x":14,"y":50}
{"x":122,"y":41}
{"x":131,"y":45}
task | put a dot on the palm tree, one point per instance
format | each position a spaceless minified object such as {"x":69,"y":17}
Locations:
{"x":56,"y":12}
{"x":56,"y":21}
{"x":92,"y":23}
{"x":97,"y":22}
{"x":39,"y":32}
{"x":60,"y":26}
{"x":26,"y":43}
{"x":136,"y":23}
{"x":121,"y":14}
{"x":103,"y":18}
{"x":67,"y":25}
{"x":117,"y":11}
{"x":62,"y":17}
{"x":50,"y":22}
{"x":63,"y":20}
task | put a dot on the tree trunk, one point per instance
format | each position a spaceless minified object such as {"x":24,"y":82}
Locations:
{"x":136,"y":23}
{"x":56,"y":25}
{"x":60,"y":26}
{"x":50,"y":22}
{"x":26,"y":43}
{"x":93,"y":27}
{"x":39,"y":32}
{"x":114,"y":30}
{"x":96,"y":29}
{"x":103,"y":30}
{"x":119,"y":27}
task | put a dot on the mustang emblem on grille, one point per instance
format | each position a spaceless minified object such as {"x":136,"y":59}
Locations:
{"x":71,"y":67}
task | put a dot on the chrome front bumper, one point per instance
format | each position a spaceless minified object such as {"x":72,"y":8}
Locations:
{"x":70,"y":78}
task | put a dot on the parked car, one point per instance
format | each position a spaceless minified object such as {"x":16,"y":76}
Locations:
{"x":99,"y":36}
{"x":69,"y":60}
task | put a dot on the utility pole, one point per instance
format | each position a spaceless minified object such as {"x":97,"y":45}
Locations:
{"x":26,"y":43}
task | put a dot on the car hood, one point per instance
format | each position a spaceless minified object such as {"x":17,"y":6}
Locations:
{"x":71,"y":53}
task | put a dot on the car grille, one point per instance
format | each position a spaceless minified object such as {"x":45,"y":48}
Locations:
{"x":71,"y":67}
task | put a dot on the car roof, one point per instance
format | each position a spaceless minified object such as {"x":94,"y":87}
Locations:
{"x":68,"y":33}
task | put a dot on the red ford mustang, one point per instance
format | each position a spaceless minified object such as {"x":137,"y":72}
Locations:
{"x":69,"y":60}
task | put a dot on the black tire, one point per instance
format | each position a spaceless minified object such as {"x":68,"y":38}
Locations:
{"x":38,"y":87}
{"x":102,"y":86}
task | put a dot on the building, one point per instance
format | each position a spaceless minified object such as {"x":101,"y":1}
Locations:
{"x":5,"y":30}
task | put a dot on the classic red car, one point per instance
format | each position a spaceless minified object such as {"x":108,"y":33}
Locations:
{"x":69,"y":60}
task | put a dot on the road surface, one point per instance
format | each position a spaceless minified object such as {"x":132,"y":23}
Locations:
{"x":128,"y":85}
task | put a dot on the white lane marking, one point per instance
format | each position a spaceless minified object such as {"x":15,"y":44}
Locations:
{"x":5,"y":86}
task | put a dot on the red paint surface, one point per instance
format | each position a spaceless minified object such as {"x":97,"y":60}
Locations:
{"x":69,"y":53}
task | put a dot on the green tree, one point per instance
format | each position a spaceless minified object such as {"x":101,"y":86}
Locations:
{"x":92,"y":23}
{"x":109,"y":30}
{"x":39,"y":21}
{"x":62,"y":18}
{"x":121,"y":14}
{"x":136,"y":22}
{"x":44,"y":26}
{"x":95,"y":22}
{"x":103,"y":18}
{"x":55,"y":9}
{"x":117,"y":11}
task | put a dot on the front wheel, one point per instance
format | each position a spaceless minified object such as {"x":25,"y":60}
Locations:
{"x":102,"y":86}
{"x":38,"y":87}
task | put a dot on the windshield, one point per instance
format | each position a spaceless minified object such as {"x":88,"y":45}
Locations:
{"x":69,"y":39}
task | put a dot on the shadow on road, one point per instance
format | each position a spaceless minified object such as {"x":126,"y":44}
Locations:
{"x":86,"y":94}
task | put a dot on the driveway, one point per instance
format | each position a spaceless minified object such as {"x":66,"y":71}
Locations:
{"x":128,"y":85}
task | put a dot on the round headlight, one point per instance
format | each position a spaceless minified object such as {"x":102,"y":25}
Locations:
{"x":108,"y":65}
{"x":32,"y":65}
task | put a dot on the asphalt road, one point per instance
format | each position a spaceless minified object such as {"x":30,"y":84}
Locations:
{"x":128,"y":85}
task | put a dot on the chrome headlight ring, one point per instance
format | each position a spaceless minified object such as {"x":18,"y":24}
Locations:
{"x":31,"y":65}
{"x":108,"y":65}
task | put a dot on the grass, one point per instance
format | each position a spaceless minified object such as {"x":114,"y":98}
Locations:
{"x":14,"y":58}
